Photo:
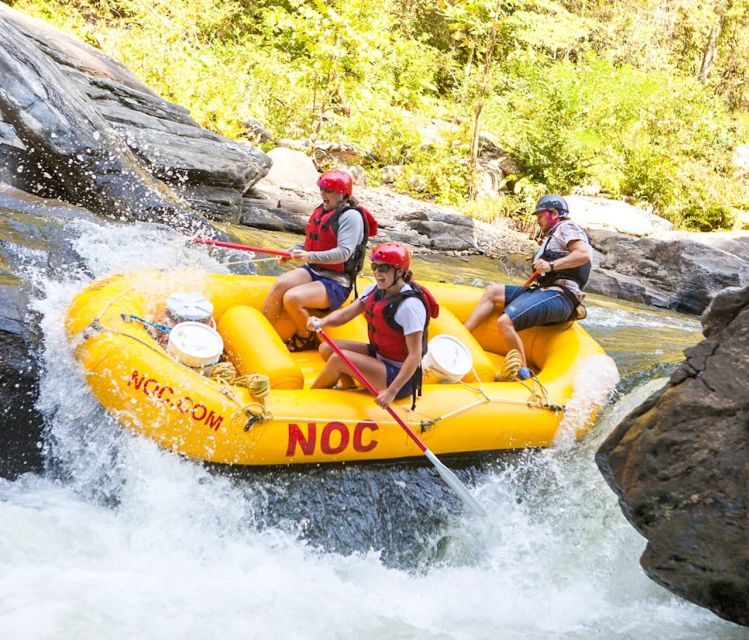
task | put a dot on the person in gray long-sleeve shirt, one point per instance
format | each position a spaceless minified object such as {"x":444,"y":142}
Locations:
{"x":331,"y":255}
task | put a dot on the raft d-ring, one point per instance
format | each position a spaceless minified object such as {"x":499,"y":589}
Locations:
{"x":251,"y":422}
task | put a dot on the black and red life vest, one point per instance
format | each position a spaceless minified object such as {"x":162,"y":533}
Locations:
{"x":385,"y":334}
{"x":322,"y":234}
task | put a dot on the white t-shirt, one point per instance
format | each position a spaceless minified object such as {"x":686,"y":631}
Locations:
{"x":410,"y":314}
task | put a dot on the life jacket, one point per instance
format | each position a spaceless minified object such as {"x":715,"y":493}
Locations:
{"x":386,"y":335}
{"x":579,"y":274}
{"x":322,"y":234}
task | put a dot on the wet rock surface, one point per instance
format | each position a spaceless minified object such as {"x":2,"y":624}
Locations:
{"x":35,"y":236}
{"x":95,"y":135}
{"x":680,"y":466}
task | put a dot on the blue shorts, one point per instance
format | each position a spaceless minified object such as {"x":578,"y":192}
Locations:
{"x":337,"y":293}
{"x":531,"y":308}
{"x":391,"y":371}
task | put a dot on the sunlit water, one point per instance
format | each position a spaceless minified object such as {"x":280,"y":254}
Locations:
{"x":119,"y":539}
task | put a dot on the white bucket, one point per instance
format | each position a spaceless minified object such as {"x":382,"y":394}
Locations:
{"x":448,"y":358}
{"x":190,"y":306}
{"x":195,"y":344}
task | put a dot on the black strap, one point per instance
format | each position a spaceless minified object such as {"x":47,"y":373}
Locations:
{"x":417,"y":379}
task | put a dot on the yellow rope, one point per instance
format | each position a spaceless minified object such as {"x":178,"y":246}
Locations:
{"x":513,"y":362}
{"x":258,"y":384}
{"x":539,"y":398}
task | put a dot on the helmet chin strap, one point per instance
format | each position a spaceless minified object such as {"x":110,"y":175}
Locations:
{"x":396,"y":277}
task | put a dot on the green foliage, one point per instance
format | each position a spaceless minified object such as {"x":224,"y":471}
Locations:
{"x":438,"y":170}
{"x":581,"y":91}
{"x":512,"y":205}
{"x":629,"y":131}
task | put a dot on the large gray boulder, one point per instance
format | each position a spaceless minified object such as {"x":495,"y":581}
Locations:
{"x":680,"y":466}
{"x":674,"y":270}
{"x":615,"y":215}
{"x":119,"y":118}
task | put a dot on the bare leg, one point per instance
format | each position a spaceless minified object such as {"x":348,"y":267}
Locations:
{"x":494,"y":294}
{"x":273,"y":305}
{"x":507,"y":329}
{"x":346,"y":345}
{"x":372,"y":368}
{"x":296,"y":301}
{"x":347,"y":382}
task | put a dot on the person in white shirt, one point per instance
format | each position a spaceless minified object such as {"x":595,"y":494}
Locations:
{"x":397,"y":312}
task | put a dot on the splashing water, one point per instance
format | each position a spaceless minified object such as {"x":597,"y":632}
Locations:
{"x":121,"y":540}
{"x":594,"y":382}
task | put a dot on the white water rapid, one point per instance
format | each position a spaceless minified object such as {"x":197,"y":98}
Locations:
{"x":120,"y":540}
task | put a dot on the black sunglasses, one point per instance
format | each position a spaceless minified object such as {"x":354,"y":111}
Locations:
{"x":381,"y":266}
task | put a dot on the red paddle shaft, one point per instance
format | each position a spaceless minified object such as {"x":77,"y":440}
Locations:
{"x":241,"y":247}
{"x":355,"y":370}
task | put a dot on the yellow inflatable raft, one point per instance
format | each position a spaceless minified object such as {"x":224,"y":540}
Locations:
{"x":145,"y":388}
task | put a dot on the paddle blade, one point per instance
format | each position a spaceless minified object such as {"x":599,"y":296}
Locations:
{"x":455,"y":484}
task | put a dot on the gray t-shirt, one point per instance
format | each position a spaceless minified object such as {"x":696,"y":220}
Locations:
{"x":565,"y":231}
{"x":410,"y":314}
{"x":350,"y":235}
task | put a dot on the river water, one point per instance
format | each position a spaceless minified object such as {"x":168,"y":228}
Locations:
{"x":120,"y":540}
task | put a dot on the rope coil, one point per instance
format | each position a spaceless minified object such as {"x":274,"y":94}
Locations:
{"x":510,"y":367}
{"x":258,"y":384}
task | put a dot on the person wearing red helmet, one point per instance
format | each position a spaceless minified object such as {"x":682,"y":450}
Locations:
{"x":562,"y":267}
{"x":332,"y":255}
{"x":397,"y":312}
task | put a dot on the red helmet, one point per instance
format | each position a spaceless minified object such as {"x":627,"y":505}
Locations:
{"x":336,"y":180}
{"x":393,"y":253}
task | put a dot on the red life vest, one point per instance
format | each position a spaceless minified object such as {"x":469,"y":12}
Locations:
{"x":385,"y":334}
{"x":322,"y":234}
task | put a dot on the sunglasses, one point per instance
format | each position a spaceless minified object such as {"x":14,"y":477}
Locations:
{"x":381,"y":266}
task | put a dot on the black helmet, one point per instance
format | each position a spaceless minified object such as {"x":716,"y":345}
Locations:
{"x":551,"y":201}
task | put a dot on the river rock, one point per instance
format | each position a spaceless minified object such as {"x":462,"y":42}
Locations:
{"x":256,"y":132}
{"x":330,"y":154}
{"x":679,"y":464}
{"x":615,"y":215}
{"x":166,"y":141}
{"x":35,"y":236}
{"x":291,"y":168}
{"x":21,"y":425}
{"x":673,"y":270}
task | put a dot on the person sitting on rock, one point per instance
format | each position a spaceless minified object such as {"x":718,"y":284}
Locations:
{"x":562,"y":267}
{"x":333,"y":254}
{"x":397,"y":312}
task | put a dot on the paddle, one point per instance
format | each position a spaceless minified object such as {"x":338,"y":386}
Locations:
{"x":528,"y":282}
{"x":241,"y":247}
{"x":448,"y":476}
